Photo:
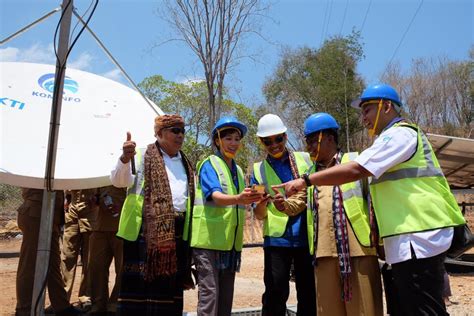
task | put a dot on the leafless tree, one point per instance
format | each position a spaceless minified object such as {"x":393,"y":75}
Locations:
{"x":214,"y":30}
{"x":438,"y":93}
{"x":461,"y":100}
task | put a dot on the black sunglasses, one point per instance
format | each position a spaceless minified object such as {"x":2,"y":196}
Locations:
{"x":177,"y":130}
{"x":277,"y":140}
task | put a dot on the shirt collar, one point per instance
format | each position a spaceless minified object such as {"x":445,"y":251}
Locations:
{"x":393,"y":122}
{"x":336,"y":156}
{"x":178,"y":155}
{"x":219,"y":154}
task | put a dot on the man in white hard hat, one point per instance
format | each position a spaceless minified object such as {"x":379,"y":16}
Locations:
{"x":286,"y":229}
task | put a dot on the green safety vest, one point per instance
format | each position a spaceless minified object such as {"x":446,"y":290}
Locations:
{"x":275,"y":223}
{"x":132,"y":209}
{"x":218,"y":227}
{"x":355,"y":206}
{"x":414,"y":196}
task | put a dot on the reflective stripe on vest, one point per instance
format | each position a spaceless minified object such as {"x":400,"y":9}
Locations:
{"x":414,"y":196}
{"x":355,"y":206}
{"x":218,"y":227}
{"x":309,"y":213}
{"x":428,"y":169}
{"x":275,"y":223}
{"x":131,"y":215}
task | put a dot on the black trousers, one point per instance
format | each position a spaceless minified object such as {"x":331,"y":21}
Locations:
{"x":418,"y":284}
{"x":277,"y":277}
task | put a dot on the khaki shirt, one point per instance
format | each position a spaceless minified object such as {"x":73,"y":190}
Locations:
{"x":33,"y":202}
{"x":296,"y":203}
{"x":326,"y":237}
{"x":83,"y":208}
{"x":107,"y":218}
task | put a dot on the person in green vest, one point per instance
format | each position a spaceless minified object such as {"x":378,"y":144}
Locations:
{"x":414,"y":207}
{"x":346,"y":266}
{"x":218,"y":219}
{"x":154,"y":222}
{"x":286,"y":228}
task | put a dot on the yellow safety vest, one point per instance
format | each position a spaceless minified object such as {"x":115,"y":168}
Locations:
{"x":355,"y":207}
{"x":132,"y":209}
{"x":414,"y":196}
{"x":275,"y":223}
{"x":218,"y":227}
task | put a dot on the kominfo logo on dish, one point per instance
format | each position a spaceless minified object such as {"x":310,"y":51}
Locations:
{"x":46,"y":82}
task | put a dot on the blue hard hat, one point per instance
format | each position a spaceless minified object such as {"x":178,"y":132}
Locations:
{"x":229,"y":121}
{"x":319,"y":122}
{"x":378,"y":91}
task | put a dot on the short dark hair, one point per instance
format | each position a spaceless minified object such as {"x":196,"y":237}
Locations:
{"x":333,"y":133}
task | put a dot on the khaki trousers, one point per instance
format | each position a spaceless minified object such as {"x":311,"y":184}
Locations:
{"x":365,"y":283}
{"x":26,"y":268}
{"x":103,"y":247}
{"x":75,"y":242}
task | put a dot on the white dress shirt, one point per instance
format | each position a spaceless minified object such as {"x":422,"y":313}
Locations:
{"x":122,"y":177}
{"x":392,"y":147}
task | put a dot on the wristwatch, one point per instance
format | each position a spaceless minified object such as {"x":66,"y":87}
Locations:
{"x":305,"y":177}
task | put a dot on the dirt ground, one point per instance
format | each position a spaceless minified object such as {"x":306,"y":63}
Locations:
{"x":248,"y":286}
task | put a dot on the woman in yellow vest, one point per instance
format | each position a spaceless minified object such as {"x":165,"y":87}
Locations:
{"x":346,"y":268}
{"x":218,"y":219}
{"x":413,"y":204}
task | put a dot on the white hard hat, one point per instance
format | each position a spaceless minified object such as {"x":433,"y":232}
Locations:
{"x":270,"y":124}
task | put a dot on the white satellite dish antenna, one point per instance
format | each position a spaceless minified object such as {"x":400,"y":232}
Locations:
{"x":96,"y":114}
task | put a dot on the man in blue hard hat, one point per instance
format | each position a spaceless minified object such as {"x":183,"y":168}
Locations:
{"x":346,"y":266}
{"x":414,"y":207}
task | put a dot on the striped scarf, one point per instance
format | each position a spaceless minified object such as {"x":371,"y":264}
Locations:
{"x":158,"y":214}
{"x":342,"y":238}
{"x":340,"y":231}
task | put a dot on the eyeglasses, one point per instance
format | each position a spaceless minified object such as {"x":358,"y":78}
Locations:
{"x":176,"y":130}
{"x":276,"y":140}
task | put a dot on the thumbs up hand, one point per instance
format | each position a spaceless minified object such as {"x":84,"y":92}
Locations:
{"x":128,"y":149}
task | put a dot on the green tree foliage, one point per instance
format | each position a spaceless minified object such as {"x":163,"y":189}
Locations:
{"x":190,"y":101}
{"x":310,"y":80}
